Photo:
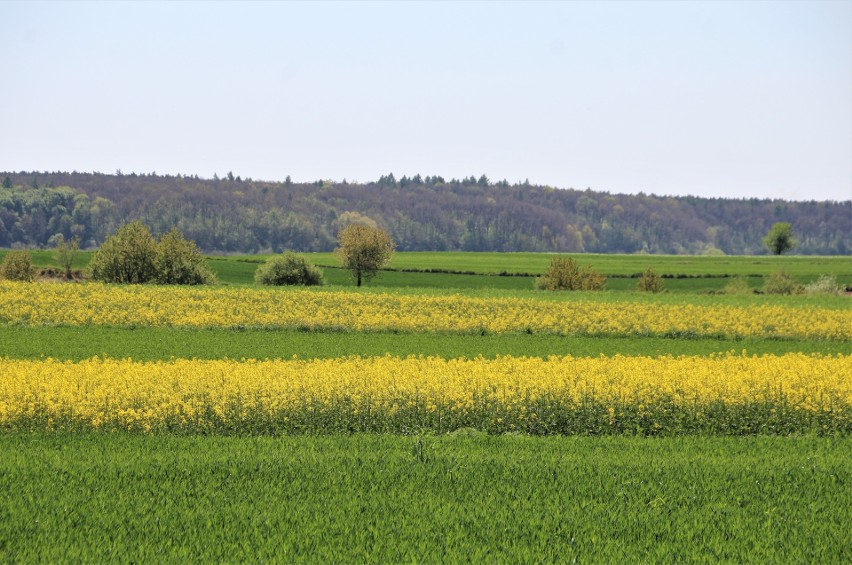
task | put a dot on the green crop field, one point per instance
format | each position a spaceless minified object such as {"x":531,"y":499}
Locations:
{"x":773,"y":491}
{"x":516,"y":271}
{"x":392,"y":499}
{"x":22,"y":342}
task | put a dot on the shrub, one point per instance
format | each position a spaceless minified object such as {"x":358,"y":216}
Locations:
{"x":650,"y":281}
{"x":288,"y":268}
{"x":128,"y":256}
{"x":825,"y":284}
{"x":132,"y":255}
{"x":17,"y":266}
{"x":780,"y":282}
{"x":565,"y":274}
{"x":737,"y":285}
{"x":180,"y":262}
{"x":66,"y":252}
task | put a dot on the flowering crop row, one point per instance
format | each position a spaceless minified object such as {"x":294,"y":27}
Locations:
{"x":730,"y":394}
{"x":94,"y":304}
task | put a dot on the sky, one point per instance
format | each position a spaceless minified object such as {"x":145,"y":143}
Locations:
{"x":719,"y":99}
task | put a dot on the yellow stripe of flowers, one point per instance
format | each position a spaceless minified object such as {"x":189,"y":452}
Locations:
{"x":94,"y":304}
{"x":397,"y":391}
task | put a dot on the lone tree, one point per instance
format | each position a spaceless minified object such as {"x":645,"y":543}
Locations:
{"x":364,"y":250}
{"x":780,"y":238}
{"x":65,"y":253}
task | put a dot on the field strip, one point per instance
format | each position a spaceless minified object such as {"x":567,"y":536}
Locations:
{"x":452,"y":498}
{"x":94,"y":304}
{"x":716,"y":394}
{"x":76,"y":343}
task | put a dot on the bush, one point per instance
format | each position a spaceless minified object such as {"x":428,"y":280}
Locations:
{"x":132,"y":255}
{"x":288,"y":268}
{"x":825,"y":284}
{"x":17,"y":266}
{"x":650,"y":281}
{"x":737,"y":285}
{"x":565,"y":274}
{"x":128,"y":256}
{"x":180,"y":262}
{"x":780,"y":282}
{"x":66,"y":252}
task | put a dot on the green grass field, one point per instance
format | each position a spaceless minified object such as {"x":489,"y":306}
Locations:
{"x":411,"y":269}
{"x":392,"y":499}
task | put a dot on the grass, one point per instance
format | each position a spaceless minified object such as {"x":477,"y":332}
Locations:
{"x":144,"y":344}
{"x":462,"y":497}
{"x":698,"y":273}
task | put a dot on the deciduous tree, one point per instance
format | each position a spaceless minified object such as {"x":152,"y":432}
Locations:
{"x":65,"y":253}
{"x":780,"y":238}
{"x":364,"y":250}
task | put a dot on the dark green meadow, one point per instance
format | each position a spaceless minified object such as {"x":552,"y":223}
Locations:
{"x":464,"y":497}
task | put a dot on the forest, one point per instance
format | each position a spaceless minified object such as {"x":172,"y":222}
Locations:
{"x":236,"y":215}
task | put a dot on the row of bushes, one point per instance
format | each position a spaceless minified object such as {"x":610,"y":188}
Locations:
{"x":780,"y":282}
{"x":564,"y":273}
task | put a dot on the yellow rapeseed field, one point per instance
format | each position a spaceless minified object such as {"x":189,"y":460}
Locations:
{"x":95,"y":304}
{"x":731,"y":393}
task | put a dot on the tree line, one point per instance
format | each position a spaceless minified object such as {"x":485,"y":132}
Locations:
{"x":431,"y":213}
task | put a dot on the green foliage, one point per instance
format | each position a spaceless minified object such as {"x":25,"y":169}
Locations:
{"x":565,"y":274}
{"x":266,"y":215}
{"x":737,"y":285}
{"x":288,"y":269}
{"x":179,"y":261}
{"x":128,"y":256}
{"x":363,"y":250}
{"x":780,"y":238}
{"x":348,"y":499}
{"x":17,"y":266}
{"x":825,"y":285}
{"x":66,"y":253}
{"x":132,"y":255}
{"x":781,"y":282}
{"x":650,"y":281}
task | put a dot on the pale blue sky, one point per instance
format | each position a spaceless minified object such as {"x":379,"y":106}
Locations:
{"x":732,"y":99}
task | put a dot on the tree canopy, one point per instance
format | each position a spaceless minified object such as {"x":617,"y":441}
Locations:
{"x":421,"y":213}
{"x":780,"y":238}
{"x":364,"y":250}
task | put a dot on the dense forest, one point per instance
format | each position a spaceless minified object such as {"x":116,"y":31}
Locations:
{"x":232,"y":214}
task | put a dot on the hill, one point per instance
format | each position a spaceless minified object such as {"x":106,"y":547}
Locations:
{"x":422,"y":213}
